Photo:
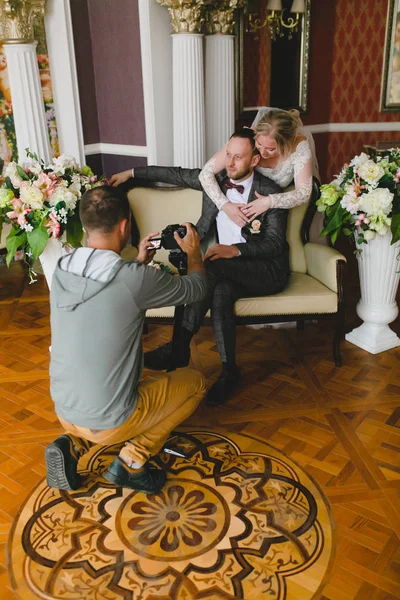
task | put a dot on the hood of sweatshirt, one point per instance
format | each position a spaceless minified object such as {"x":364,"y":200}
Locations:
{"x":84,"y":273}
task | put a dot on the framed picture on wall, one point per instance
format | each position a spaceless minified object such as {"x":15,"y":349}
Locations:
{"x":390,"y":97}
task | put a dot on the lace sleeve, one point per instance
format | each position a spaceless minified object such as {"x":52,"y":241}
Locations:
{"x":208,"y":180}
{"x":302,"y":171}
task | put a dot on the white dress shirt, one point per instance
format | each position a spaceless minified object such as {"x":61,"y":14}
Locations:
{"x":228,"y":232}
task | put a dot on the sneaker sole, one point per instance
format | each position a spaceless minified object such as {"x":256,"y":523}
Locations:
{"x":116,"y":480}
{"x":56,"y":473}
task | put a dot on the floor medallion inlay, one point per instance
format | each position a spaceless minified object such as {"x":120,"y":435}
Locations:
{"x":236,"y":520}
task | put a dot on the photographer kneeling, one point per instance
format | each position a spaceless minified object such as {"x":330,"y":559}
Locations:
{"x":98,"y":304}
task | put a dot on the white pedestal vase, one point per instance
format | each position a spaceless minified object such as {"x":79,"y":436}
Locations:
{"x":50,"y":256}
{"x":379,"y":270}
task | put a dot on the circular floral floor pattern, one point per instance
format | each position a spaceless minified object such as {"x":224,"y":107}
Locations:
{"x":235,"y":520}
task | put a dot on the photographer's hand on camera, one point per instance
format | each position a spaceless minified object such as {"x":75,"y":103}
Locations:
{"x":146,"y":252}
{"x":190,"y":244}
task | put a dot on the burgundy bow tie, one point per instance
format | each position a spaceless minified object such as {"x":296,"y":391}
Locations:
{"x":233,"y":186}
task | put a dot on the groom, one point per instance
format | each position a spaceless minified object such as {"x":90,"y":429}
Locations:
{"x":248,"y":261}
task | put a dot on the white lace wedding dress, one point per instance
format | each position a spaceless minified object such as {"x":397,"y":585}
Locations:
{"x":299,"y":166}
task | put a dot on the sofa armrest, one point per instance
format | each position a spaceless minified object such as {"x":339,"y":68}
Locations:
{"x":321,"y":264}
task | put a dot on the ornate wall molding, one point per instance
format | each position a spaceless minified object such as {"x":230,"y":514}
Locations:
{"x":16,"y":20}
{"x":187,"y":16}
{"x":221,"y":16}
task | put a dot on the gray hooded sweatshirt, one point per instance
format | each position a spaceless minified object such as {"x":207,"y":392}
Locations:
{"x":98,"y":304}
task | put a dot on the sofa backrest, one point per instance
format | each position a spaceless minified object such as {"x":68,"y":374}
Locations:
{"x":154,"y":208}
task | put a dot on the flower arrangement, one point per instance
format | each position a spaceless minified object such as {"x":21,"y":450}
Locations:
{"x":160,"y":266}
{"x":43,"y":61}
{"x":41,"y":203}
{"x":364,"y":199}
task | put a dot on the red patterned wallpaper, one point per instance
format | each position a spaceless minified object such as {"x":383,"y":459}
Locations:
{"x":346,"y":60}
{"x":359,"y":41}
{"x":343,"y":146}
{"x":257,"y":80}
{"x":357,"y":62}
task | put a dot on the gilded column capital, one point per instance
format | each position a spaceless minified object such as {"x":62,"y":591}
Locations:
{"x":221,"y":16}
{"x":187,"y":16}
{"x":16,"y":20}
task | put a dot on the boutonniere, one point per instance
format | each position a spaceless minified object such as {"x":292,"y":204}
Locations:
{"x":255,"y":226}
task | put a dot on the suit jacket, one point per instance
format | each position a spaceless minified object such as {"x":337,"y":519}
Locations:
{"x":270,"y":243}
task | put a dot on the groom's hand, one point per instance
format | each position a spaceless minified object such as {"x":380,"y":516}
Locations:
{"x":221,"y":251}
{"x":234,"y":212}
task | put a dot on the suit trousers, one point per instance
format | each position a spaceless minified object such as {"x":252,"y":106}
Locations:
{"x":163,"y":403}
{"x":229,"y":279}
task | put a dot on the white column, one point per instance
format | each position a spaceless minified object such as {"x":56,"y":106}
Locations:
{"x":27,"y":100}
{"x":220,"y":90}
{"x":64,"y":80}
{"x":188,"y":100}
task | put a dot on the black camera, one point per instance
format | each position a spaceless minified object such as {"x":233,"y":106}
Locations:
{"x":167,"y":236}
{"x":167,"y":239}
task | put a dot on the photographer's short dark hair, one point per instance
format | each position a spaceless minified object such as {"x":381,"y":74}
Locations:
{"x":246,"y":134}
{"x":102,"y":208}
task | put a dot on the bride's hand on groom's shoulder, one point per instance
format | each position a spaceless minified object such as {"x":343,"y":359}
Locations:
{"x":234,"y":212}
{"x":257,"y":207}
{"x":119,"y":178}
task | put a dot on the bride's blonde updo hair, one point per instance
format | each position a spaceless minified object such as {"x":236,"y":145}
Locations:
{"x":282,"y":126}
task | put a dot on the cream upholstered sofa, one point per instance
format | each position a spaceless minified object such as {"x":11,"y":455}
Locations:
{"x":315,"y":289}
{"x":4,"y":233}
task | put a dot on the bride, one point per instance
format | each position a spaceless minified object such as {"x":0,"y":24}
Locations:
{"x":287,"y":153}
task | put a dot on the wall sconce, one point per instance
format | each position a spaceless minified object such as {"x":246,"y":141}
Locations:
{"x":278,"y":19}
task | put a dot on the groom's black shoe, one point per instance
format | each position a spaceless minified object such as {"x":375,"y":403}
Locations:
{"x":147,"y":479}
{"x":226,"y":383}
{"x":160,"y":358}
{"x":62,"y":457}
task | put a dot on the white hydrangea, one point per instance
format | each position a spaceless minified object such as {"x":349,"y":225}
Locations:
{"x":350,"y":201}
{"x":5,"y":197}
{"x":380,"y":223}
{"x":369,"y":235}
{"x":379,"y":200}
{"x":62,"y":194}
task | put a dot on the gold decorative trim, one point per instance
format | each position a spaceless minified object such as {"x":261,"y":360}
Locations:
{"x":16,"y":20}
{"x":187,"y":16}
{"x":221,"y":16}
{"x":305,"y":62}
{"x":385,"y":104}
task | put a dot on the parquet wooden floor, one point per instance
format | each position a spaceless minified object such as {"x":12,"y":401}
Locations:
{"x":340,"y":425}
